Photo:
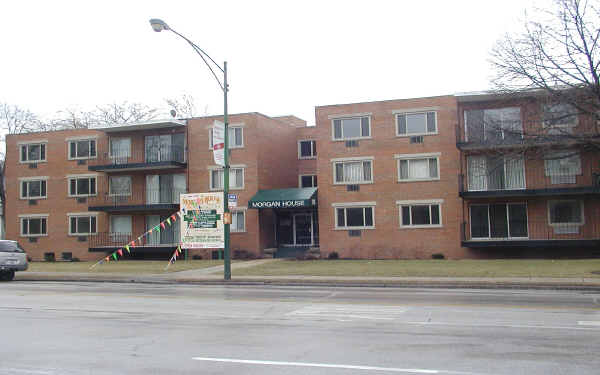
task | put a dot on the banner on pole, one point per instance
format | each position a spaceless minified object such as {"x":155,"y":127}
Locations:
{"x":218,"y":141}
{"x":202,"y":221}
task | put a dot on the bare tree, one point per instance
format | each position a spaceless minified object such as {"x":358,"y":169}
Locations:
{"x":554,"y":62}
{"x":16,"y":120}
{"x":74,"y":119}
{"x":124,"y":112}
{"x":184,"y":105}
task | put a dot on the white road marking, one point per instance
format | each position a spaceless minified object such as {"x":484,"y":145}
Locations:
{"x":330,"y":365}
{"x":588,"y":323}
{"x":502,"y":325}
{"x":349,"y":312}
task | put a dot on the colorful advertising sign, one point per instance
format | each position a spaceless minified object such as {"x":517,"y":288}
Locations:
{"x":202,"y":221}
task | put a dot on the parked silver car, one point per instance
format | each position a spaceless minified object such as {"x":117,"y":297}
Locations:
{"x":12,"y":258}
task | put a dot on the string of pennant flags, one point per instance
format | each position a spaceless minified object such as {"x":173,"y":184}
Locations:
{"x":129,"y":247}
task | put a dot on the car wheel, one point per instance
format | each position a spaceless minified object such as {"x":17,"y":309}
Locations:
{"x":7,"y":275}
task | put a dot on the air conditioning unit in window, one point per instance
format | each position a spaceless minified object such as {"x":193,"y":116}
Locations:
{"x":352,"y":187}
{"x":354,"y":233}
{"x":33,"y":165}
{"x":352,"y":143}
{"x":81,"y":200}
{"x":82,"y":238}
{"x":32,"y":202}
{"x":81,"y":162}
{"x":417,"y":139}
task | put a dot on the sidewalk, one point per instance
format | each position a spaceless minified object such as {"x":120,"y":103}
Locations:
{"x":214,"y":276}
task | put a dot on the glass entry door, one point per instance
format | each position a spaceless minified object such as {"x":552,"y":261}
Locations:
{"x":295,"y":229}
{"x":303,"y":229}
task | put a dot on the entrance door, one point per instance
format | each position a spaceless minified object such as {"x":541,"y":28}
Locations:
{"x":303,"y":229}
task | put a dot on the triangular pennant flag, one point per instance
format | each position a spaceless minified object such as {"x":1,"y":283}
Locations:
{"x":132,"y":244}
{"x":107,"y":259}
{"x":114,"y":255}
{"x":174,"y":217}
{"x":120,"y":251}
{"x":169,"y":221}
{"x":179,"y":213}
{"x":162,"y":225}
{"x":127,"y":248}
{"x":150,"y":231}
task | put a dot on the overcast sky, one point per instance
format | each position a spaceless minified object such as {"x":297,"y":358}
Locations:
{"x":284,"y":57}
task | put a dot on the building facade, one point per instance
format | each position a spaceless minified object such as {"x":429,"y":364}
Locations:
{"x":455,"y":175}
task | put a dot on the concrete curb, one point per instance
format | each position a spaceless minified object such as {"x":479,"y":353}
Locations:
{"x":441,"y":284}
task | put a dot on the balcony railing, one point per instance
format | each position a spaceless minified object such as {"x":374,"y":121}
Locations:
{"x":526,"y":234}
{"x":114,"y":240}
{"x":534,"y":179}
{"x":150,"y":199}
{"x":151,"y":156}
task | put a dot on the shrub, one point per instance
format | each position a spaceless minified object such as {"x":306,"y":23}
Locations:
{"x":197,"y":257}
{"x":75,"y":259}
{"x":333,"y":255}
{"x":49,"y":257}
{"x":438,"y":256}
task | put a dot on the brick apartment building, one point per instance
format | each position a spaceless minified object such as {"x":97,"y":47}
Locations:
{"x":391,"y":179}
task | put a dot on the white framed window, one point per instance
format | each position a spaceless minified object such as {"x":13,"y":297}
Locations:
{"x":33,"y":187}
{"x":81,"y":224}
{"x":420,"y":214}
{"x":354,"y":215}
{"x":502,"y":221}
{"x":559,"y":115}
{"x":82,"y":149}
{"x":352,"y":127}
{"x":486,"y":173}
{"x":353,"y":170}
{"x":235,"y":136}
{"x":34,"y":152}
{"x":418,"y":167}
{"x":562,"y":167}
{"x":119,"y":185}
{"x":307,"y":180}
{"x":238,"y":221}
{"x":307,"y":149}
{"x":82,"y":185}
{"x":416,"y":123}
{"x":565,"y":212}
{"x":120,"y":147}
{"x":34,"y":225}
{"x":236,"y":178}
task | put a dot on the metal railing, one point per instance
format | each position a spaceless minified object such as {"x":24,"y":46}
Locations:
{"x":149,"y":155}
{"x":531,"y":230}
{"x":146,"y":198}
{"x":116,"y":239}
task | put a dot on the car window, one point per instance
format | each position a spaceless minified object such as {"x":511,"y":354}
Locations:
{"x":10,"y":247}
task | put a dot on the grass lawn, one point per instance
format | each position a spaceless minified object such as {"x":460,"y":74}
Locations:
{"x":123,"y":266}
{"x":433,"y":268}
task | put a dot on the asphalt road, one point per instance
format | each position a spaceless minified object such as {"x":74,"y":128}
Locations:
{"x":107,"y":328}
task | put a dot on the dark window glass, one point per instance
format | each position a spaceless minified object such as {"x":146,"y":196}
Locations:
{"x":339,"y":172}
{"x":24,"y":192}
{"x":92,"y":186}
{"x":401,"y":124}
{"x":92,"y":148}
{"x":73,"y":225}
{"x":307,"y":181}
{"x":435,"y":214}
{"x":431,"y":122}
{"x":305,"y":149}
{"x":367,"y":171}
{"x":83,"y":225}
{"x":72,"y":149}
{"x":340,"y":217}
{"x":403,"y":169}
{"x":420,"y":215}
{"x":337,"y":129}
{"x":34,"y":152}
{"x":479,"y":221}
{"x":25,"y":226}
{"x":498,"y":221}
{"x":433,"y":168}
{"x":23,"y":153}
{"x":405,"y":215}
{"x":354,"y":217}
{"x":517,"y":216}
{"x":43,"y":226}
{"x":43,"y":188}
{"x":73,"y":187}
{"x":83,"y":149}
{"x":315,"y":183}
{"x":565,"y":212}
{"x":35,"y":188}
{"x":474,"y":125}
{"x":83,"y":186}
{"x":42,"y":152}
{"x":364,"y":125}
{"x":368,"y":216}
{"x":35,"y":226}
{"x":314,"y":146}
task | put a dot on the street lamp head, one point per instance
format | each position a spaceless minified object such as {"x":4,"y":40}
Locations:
{"x":158,"y":25}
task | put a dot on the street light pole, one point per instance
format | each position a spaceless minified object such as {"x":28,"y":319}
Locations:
{"x":158,"y":26}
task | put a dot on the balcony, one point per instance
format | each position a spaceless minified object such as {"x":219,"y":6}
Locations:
{"x":151,"y":200}
{"x":515,"y":178}
{"x":532,"y":233}
{"x":109,"y":241}
{"x":163,"y":157}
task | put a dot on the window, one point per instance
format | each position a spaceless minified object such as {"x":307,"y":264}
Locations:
{"x":82,"y":225}
{"x":33,"y":152}
{"x":120,"y":149}
{"x":353,"y":171}
{"x":82,"y":149}
{"x":559,"y":115}
{"x":420,"y":214}
{"x":494,"y":125}
{"x":352,"y":128}
{"x":565,"y":212}
{"x":238,"y":223}
{"x":486,"y":173}
{"x":34,"y":226}
{"x":33,"y":189}
{"x":562,"y":167}
{"x":354,"y":216}
{"x":420,"y":167}
{"x":409,"y":124}
{"x":121,"y":224}
{"x":501,"y":220}
{"x":309,"y":180}
{"x":307,"y":149}
{"x":236,"y":178}
{"x":119,"y":185}
{"x":235,"y":138}
{"x":82,"y":186}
